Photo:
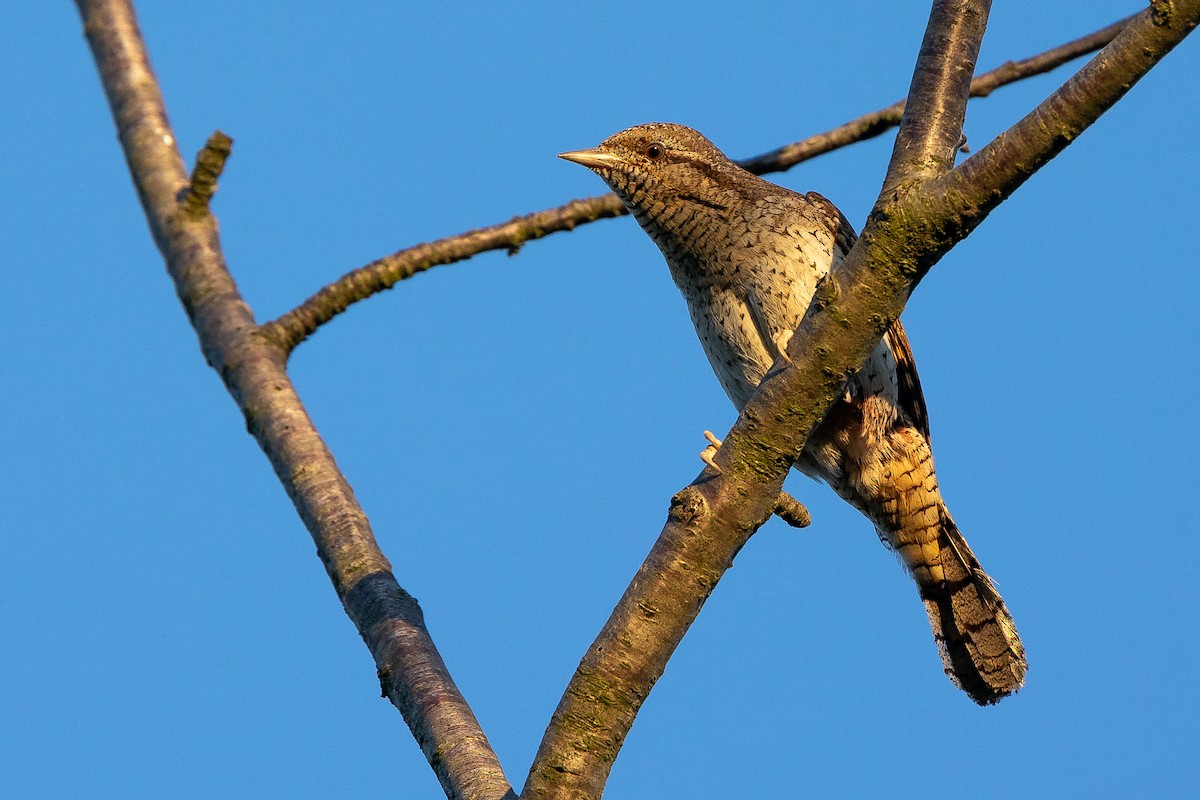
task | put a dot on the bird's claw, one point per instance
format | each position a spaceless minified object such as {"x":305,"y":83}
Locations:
{"x":708,"y":454}
{"x":781,"y":343}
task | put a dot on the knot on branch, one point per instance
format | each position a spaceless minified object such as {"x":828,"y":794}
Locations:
{"x":826,"y":293}
{"x":687,"y":505}
{"x":1161,"y":12}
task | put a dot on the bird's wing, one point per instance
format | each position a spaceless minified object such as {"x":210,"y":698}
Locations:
{"x":833,"y":219}
{"x":910,"y":398}
{"x":772,"y":336}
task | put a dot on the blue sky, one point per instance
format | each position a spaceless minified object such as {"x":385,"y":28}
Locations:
{"x":515,"y":427}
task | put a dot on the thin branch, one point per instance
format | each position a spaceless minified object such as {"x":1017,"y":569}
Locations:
{"x":296,"y":325}
{"x":713,"y":518}
{"x":301,"y":322}
{"x":995,"y":172}
{"x":411,"y":670}
{"x":876,"y":123}
{"x":931,"y":129}
{"x":1011,"y":71}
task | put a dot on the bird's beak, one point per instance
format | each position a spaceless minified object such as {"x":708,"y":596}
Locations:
{"x":592,"y":159}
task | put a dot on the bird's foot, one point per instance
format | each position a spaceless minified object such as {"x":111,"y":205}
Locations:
{"x":787,"y":508}
{"x":709,"y":453}
{"x":781,"y":343}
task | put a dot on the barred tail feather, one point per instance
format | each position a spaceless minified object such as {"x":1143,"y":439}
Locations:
{"x":981,"y":651}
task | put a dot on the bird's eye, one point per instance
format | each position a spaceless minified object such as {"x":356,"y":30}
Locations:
{"x":654,"y":151}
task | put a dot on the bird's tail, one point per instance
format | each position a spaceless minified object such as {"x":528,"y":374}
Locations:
{"x":981,"y":651}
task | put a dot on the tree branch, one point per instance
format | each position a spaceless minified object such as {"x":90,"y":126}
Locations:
{"x":252,"y":366}
{"x":713,"y":518}
{"x":301,"y":322}
{"x":995,"y":172}
{"x":931,"y":129}
{"x":876,"y":123}
{"x":293,"y":327}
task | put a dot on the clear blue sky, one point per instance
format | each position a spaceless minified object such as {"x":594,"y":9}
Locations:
{"x":515,"y":427}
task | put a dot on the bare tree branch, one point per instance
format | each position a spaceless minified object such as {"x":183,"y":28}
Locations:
{"x":1011,"y":71}
{"x":931,"y":128}
{"x":296,"y":325}
{"x":301,"y":322}
{"x":876,"y":123}
{"x":252,"y":366}
{"x":996,"y":171}
{"x":713,"y":518}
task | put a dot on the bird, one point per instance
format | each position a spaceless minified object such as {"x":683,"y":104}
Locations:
{"x":747,"y":256}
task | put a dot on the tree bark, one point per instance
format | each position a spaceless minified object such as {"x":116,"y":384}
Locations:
{"x":251,"y":365}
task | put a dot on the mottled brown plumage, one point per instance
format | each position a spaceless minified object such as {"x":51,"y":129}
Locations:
{"x":747,"y":256}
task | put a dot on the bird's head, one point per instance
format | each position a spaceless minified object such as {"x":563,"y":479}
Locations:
{"x":662,"y":163}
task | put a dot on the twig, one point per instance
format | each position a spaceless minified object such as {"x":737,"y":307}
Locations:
{"x":792,"y":511}
{"x":296,"y":325}
{"x":876,"y":123}
{"x":210,"y":163}
{"x":301,"y":322}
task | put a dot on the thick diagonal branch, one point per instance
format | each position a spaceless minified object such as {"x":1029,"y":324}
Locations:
{"x":295,"y":326}
{"x":713,"y":518}
{"x":252,"y":367}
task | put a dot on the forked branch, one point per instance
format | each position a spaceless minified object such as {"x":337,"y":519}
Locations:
{"x":714,"y":517}
{"x":995,"y":171}
{"x":296,"y":325}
